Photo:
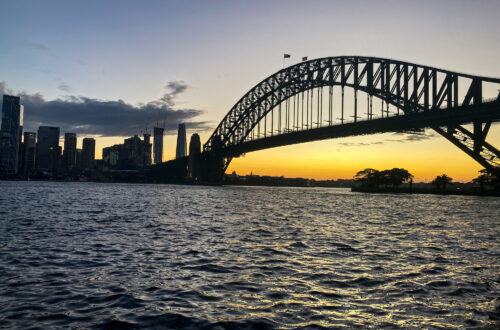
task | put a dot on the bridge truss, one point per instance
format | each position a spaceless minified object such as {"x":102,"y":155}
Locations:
{"x":303,"y":103}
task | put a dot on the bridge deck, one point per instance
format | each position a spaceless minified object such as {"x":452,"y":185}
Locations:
{"x":489,"y":111}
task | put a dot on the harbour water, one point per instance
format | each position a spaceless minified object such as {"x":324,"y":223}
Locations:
{"x":163,"y":256}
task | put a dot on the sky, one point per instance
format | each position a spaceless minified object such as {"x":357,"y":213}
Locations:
{"x":111,"y":69}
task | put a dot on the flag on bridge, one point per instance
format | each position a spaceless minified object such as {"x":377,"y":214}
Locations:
{"x":286,"y":56}
{"x":304,"y":58}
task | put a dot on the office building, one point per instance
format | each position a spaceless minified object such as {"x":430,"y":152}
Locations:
{"x":46,"y":148}
{"x":78,"y":158}
{"x":134,"y":153}
{"x":180,"y":151}
{"x":194,"y":166}
{"x":147,"y":150}
{"x":28,"y":153}
{"x":88,"y":153}
{"x":55,"y":155}
{"x":69,"y":156}
{"x":10,"y":134}
{"x":158,"y":144}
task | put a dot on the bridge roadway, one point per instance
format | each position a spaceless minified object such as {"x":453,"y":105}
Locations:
{"x":488,"y":111}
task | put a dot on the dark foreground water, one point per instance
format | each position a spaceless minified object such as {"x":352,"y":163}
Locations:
{"x":120,"y":255}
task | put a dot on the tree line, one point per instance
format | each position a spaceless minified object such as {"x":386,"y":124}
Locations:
{"x":372,"y":178}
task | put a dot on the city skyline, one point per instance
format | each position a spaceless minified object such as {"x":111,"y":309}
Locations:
{"x":62,"y":70}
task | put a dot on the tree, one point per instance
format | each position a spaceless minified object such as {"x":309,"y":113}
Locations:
{"x":396,"y":176}
{"x":371,"y":177}
{"x":368,"y":177}
{"x":441,"y":181}
{"x":487,"y":178}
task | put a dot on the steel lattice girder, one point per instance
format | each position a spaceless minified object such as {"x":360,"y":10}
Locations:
{"x":409,"y":87}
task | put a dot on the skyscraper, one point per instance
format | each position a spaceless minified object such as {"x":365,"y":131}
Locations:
{"x":48,"y":141}
{"x":88,"y":153}
{"x":158,"y":144}
{"x":180,"y":151}
{"x":69,"y":156}
{"x":27,"y":166}
{"x":10,"y":134}
{"x":147,"y":150}
{"x":194,"y":157}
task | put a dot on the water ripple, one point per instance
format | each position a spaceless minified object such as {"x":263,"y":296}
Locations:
{"x":88,"y":255}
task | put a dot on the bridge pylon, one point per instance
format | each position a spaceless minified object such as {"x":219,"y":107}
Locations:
{"x":213,"y":164}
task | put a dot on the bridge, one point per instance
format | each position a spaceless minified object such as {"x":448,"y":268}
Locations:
{"x":307,"y":102}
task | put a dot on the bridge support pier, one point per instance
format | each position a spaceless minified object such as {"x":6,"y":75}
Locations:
{"x":213,"y":164}
{"x":212,"y":168}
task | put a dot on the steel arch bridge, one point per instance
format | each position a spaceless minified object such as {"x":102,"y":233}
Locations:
{"x":291,"y":106}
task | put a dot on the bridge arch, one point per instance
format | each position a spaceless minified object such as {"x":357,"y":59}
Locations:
{"x":416,"y":91}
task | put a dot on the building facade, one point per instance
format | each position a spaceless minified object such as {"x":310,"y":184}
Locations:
{"x":158,"y":144}
{"x":28,"y":153}
{"x":69,"y":156}
{"x":194,"y":166}
{"x":180,"y":151}
{"x":47,"y":148}
{"x":88,"y":153}
{"x":134,"y":153}
{"x":10,"y":134}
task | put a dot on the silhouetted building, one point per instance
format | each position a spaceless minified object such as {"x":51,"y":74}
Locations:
{"x":132,"y":154}
{"x":194,"y":157}
{"x":111,"y":155}
{"x":88,"y":153}
{"x":48,"y":140}
{"x":28,"y":153}
{"x":180,"y":151}
{"x":78,"y":158}
{"x":69,"y":157}
{"x":147,"y":150}
{"x":158,"y":144}
{"x":55,"y":154}
{"x":10,"y":134}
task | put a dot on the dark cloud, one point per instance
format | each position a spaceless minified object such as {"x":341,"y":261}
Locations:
{"x":175,"y":88}
{"x":404,"y":137}
{"x":411,"y":137}
{"x":91,"y":116}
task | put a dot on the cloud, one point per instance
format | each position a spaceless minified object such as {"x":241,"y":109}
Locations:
{"x":41,"y":47}
{"x":405,"y":137}
{"x":90,"y":116}
{"x":64,"y":87}
{"x":358,"y":144}
{"x":4,"y":89}
{"x":175,"y":87}
{"x":412,"y":137}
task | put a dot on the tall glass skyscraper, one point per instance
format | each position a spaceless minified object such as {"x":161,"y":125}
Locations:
{"x":10,"y":134}
{"x":181,"y":142}
{"x":158,"y":144}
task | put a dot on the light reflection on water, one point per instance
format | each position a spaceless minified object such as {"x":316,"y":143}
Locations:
{"x":120,"y":255}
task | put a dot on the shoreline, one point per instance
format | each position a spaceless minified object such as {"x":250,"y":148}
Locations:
{"x":424,"y":191}
{"x":377,"y":190}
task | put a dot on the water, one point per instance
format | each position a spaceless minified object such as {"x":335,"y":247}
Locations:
{"x":122,"y":255}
